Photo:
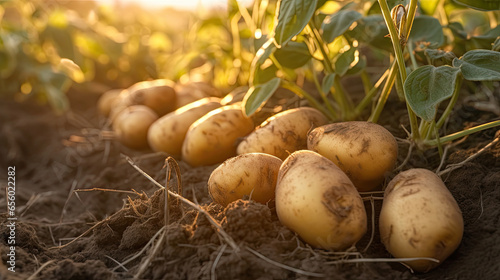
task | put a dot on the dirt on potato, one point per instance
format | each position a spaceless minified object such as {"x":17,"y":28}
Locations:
{"x":115,"y":226}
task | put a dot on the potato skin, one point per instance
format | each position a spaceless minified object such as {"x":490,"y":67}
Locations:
{"x":365,"y":151}
{"x":317,"y":200}
{"x":131,"y":126}
{"x":252,"y":174}
{"x":168,"y":133}
{"x":420,"y":218}
{"x":158,"y":95}
{"x":105,"y":102}
{"x":283,"y":133}
{"x":193,"y":91}
{"x":213,"y":138}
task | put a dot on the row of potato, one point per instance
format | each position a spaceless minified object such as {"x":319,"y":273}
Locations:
{"x":311,"y":170}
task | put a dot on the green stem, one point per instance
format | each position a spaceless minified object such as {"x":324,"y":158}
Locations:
{"x":460,"y":134}
{"x":322,"y":93}
{"x":385,"y":94}
{"x":345,"y":102}
{"x":452,"y":103}
{"x":367,"y":85}
{"x":321,"y":46}
{"x":369,"y":96}
{"x":399,"y":56}
{"x":303,"y":94}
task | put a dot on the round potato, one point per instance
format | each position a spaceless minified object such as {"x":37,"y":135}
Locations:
{"x":131,"y":126}
{"x":105,"y":102}
{"x":283,"y":133}
{"x":213,"y":138}
{"x":317,"y":200}
{"x":365,"y":151}
{"x":253,"y":174}
{"x":168,"y":133}
{"x":158,"y":95}
{"x":420,"y":218}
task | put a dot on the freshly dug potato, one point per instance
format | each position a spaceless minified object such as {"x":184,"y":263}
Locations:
{"x":317,"y":200}
{"x":158,"y":95}
{"x":168,"y":132}
{"x":365,"y":151}
{"x":420,"y":218}
{"x":131,"y":126}
{"x":252,"y":174}
{"x":213,"y":138}
{"x":105,"y":102}
{"x":283,"y":133}
{"x":193,"y":91}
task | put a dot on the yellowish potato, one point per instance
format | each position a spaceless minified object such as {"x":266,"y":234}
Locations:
{"x":283,"y":133}
{"x":365,"y":151}
{"x":317,"y":200}
{"x":253,"y":174}
{"x":158,"y":95}
{"x":168,"y":133}
{"x":105,"y":102}
{"x":420,"y":218}
{"x":131,"y":126}
{"x":193,"y":91}
{"x":213,"y":138}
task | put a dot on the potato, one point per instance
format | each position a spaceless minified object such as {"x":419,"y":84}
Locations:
{"x":193,"y":91}
{"x":420,"y":218}
{"x":365,"y":151}
{"x":213,"y":138}
{"x":168,"y":133}
{"x":283,"y":133}
{"x":131,"y":126}
{"x":253,"y":174}
{"x":317,"y":200}
{"x":105,"y":102}
{"x":158,"y":95}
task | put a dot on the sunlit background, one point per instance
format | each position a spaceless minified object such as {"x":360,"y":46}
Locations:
{"x":179,"y":4}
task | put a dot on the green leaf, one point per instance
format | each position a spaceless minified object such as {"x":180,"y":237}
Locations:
{"x":484,"y":5}
{"x":258,"y":95}
{"x":327,"y":83}
{"x":434,"y":54}
{"x":344,"y":61}
{"x":338,"y":23}
{"x":427,"y":29}
{"x":360,"y":65}
{"x":429,"y":6}
{"x":372,"y":30}
{"x":260,"y":58}
{"x":479,"y":65}
{"x":293,"y":55}
{"x":293,"y":16}
{"x":427,"y":86}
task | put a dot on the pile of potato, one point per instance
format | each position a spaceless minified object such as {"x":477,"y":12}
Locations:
{"x":310,"y":170}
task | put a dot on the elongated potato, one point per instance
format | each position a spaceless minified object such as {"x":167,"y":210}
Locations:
{"x":213,"y":138}
{"x":131,"y":126}
{"x":365,"y":151}
{"x":168,"y":133}
{"x":158,"y":95}
{"x":283,"y":133}
{"x":193,"y":91}
{"x":252,"y":174}
{"x":420,"y":218}
{"x":317,"y":200}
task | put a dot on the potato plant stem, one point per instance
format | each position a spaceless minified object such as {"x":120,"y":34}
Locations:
{"x":452,"y":103}
{"x":460,"y":134}
{"x":303,"y":94}
{"x":371,"y":94}
{"x":322,"y":93}
{"x":399,"y":54}
{"x":385,"y":94}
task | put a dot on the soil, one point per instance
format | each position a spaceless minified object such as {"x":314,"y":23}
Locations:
{"x":112,"y":228}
